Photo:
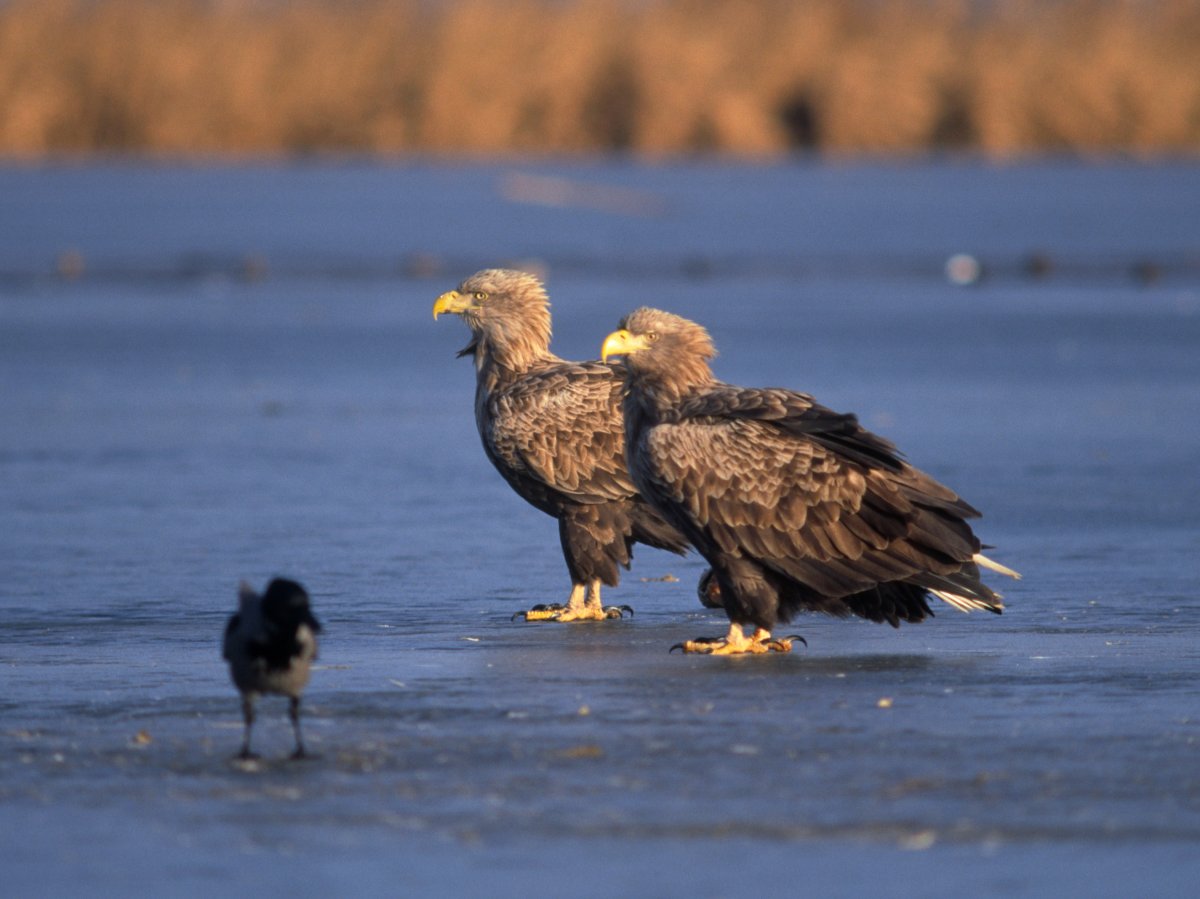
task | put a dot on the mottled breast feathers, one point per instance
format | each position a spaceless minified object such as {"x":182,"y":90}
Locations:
{"x":557,"y":405}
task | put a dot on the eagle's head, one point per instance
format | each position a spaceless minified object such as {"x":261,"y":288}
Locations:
{"x":662,"y":350}
{"x":507,"y":311}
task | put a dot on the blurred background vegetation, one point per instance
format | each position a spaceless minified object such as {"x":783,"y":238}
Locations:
{"x":656,"y":77}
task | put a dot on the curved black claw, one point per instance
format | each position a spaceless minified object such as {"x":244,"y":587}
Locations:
{"x":705,"y":640}
{"x":784,"y":644}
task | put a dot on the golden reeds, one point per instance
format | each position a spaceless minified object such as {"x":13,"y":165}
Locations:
{"x":755,"y":77}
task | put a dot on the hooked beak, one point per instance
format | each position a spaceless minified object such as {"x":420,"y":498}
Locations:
{"x":622,"y":343}
{"x":452,"y":302}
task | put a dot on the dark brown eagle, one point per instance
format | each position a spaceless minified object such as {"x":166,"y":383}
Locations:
{"x":794,"y":506}
{"x":553,"y":430}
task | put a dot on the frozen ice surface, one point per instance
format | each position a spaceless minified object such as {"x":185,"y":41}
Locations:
{"x":172,"y":423}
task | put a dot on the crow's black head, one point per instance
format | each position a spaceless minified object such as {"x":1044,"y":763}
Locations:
{"x":285,"y":604}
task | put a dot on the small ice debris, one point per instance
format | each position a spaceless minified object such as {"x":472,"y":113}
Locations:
{"x":919,"y":841}
{"x":472,"y":639}
{"x":963,"y":269}
{"x":396,"y":683}
{"x":141,"y":738}
{"x":885,"y":702}
{"x":743,"y":749}
{"x":584,"y":710}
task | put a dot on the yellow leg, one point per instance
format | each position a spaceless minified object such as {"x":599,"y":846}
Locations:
{"x":737,"y":643}
{"x":582,"y":605}
{"x":593,"y":609}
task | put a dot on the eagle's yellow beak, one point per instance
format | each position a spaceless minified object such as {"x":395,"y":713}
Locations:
{"x":451,"y":301}
{"x":622,"y":343}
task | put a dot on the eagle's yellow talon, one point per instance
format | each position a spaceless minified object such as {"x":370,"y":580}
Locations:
{"x":737,"y":643}
{"x":562,"y":612}
{"x":542,"y":612}
{"x":594,"y":613}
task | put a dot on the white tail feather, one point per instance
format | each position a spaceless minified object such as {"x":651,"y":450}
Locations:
{"x":965,"y":603}
{"x":981,"y":559}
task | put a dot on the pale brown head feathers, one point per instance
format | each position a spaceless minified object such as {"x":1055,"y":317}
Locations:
{"x":508,"y":314}
{"x":663,"y":352}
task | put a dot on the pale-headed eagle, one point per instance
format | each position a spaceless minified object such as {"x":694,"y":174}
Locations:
{"x":794,"y":506}
{"x":553,"y":430}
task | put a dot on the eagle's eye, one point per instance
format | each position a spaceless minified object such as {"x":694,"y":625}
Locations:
{"x":480,"y":295}
{"x":651,"y":336}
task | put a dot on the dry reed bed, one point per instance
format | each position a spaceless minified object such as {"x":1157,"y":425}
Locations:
{"x":656,"y":77}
